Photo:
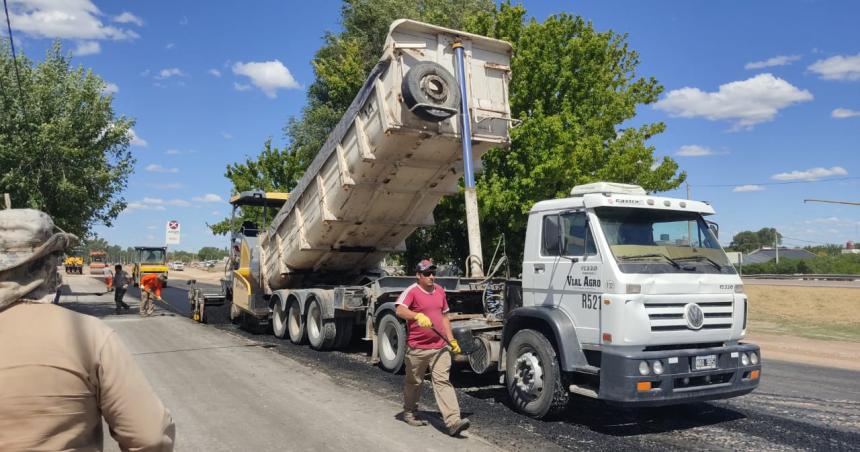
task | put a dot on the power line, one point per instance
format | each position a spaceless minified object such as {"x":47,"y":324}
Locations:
{"x":15,"y":61}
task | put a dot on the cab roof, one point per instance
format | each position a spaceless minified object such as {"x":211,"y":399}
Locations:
{"x":259,"y":198}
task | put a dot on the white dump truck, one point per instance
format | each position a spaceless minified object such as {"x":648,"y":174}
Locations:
{"x":624,"y":297}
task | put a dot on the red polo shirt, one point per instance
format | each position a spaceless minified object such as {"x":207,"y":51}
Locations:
{"x":434,"y":305}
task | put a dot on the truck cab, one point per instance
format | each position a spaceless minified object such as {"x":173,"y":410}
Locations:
{"x":638,"y":299}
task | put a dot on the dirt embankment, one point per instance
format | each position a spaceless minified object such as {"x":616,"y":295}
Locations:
{"x":814,"y":325}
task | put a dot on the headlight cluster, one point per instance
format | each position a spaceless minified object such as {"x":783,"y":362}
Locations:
{"x":655,"y":366}
{"x":750,"y":358}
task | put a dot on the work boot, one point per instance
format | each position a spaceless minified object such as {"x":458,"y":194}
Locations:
{"x":459,"y":426}
{"x":413,"y":420}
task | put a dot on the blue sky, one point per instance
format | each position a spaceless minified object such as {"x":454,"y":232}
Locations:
{"x":761,"y":100}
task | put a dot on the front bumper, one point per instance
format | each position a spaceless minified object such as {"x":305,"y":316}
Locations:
{"x":622,"y":384}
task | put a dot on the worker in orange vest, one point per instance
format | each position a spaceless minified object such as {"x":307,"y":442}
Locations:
{"x":150,"y":286}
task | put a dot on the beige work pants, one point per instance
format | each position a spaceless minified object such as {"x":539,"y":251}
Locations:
{"x":439,"y":362}
{"x":147,"y":303}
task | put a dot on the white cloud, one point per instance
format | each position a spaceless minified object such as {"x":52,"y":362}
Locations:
{"x":183,"y":21}
{"x":694,"y":150}
{"x":162,"y":202}
{"x":167,"y":186}
{"x":170,"y":72}
{"x":128,"y":18}
{"x":746,"y":188}
{"x":838,"y":68}
{"x":226,"y":136}
{"x":811,"y":174}
{"x":136,"y":140}
{"x":781,"y":60}
{"x":842,"y":113}
{"x":173,"y":152}
{"x":141,"y":205}
{"x":110,"y":88}
{"x":240,"y":87}
{"x":745,"y":103}
{"x":169,"y":46}
{"x":269,"y":76}
{"x":152,"y":226}
{"x":154,"y":168}
{"x":216,"y":212}
{"x":84,"y":48}
{"x":64,"y":19}
{"x":215,"y":72}
{"x":208,"y":197}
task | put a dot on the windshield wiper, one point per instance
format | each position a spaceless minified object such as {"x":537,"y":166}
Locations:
{"x":700,"y":257}
{"x":639,"y":256}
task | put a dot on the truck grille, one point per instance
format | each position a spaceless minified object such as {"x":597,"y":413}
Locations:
{"x":669,"y":316}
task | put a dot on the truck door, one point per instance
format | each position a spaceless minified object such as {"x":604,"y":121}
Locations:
{"x":581,"y":277}
{"x":541,"y":261}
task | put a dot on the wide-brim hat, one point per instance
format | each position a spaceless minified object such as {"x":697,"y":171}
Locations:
{"x":27,"y":235}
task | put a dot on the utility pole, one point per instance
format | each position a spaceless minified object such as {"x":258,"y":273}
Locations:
{"x":776,"y":245}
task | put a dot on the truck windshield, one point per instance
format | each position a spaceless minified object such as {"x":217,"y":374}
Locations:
{"x":661,"y":241}
{"x":152,"y":256}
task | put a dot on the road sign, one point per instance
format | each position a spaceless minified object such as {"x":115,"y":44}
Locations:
{"x":171,"y":232}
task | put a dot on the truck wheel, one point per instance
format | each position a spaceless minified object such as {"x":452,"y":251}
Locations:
{"x":279,"y":320}
{"x":344,"y":332}
{"x":430,"y":84}
{"x":296,"y":324}
{"x":391,"y":335}
{"x":533,"y":376}
{"x":321,"y":334}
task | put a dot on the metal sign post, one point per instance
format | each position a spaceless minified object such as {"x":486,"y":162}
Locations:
{"x":171,"y":232}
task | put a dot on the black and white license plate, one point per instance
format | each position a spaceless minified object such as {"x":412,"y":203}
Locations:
{"x":705,"y":362}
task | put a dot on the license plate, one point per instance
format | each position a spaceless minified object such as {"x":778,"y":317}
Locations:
{"x":705,"y":362}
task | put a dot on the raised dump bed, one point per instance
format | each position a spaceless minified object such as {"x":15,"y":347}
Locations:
{"x":385,"y":167}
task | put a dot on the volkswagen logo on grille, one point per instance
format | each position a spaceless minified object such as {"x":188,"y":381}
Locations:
{"x":694,"y":316}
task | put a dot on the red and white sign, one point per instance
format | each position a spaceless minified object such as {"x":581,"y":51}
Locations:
{"x":172,"y":233}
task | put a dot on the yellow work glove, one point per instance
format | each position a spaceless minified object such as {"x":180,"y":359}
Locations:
{"x":423,"y":320}
{"x":455,"y":346}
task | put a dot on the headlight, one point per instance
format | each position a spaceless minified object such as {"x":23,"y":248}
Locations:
{"x":745,"y":359}
{"x":754,"y":358}
{"x":739,"y":288}
{"x":643,"y":368}
{"x":658,"y":367}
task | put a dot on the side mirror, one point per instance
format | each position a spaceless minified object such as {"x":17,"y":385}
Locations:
{"x":715,"y":229}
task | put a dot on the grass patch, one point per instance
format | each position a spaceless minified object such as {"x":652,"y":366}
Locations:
{"x":812,"y":312}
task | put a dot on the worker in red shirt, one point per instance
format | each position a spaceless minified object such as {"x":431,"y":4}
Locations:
{"x":150,"y":287}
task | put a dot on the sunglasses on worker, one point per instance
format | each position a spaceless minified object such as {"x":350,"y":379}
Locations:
{"x":427,"y":273}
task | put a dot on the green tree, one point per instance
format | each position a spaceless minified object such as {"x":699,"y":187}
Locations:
{"x":574,"y":89}
{"x":748,"y":241}
{"x":211,"y":253}
{"x":62,"y":148}
{"x":273,"y":170}
{"x":745,"y":242}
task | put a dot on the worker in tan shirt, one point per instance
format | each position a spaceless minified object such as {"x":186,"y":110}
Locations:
{"x":62,"y":372}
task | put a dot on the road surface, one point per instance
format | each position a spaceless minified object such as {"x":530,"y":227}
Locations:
{"x":233,"y":390}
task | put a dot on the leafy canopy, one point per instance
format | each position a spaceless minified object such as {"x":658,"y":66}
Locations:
{"x":62,"y":148}
{"x":574,"y":89}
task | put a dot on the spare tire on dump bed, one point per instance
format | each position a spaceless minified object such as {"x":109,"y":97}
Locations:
{"x":428,"y":85}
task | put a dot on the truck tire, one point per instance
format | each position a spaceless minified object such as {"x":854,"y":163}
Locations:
{"x":533,"y":376}
{"x":430,"y":84}
{"x":343,"y":336}
{"x":321,"y":333}
{"x":391,"y":335}
{"x":296,"y":323}
{"x":279,"y":320}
